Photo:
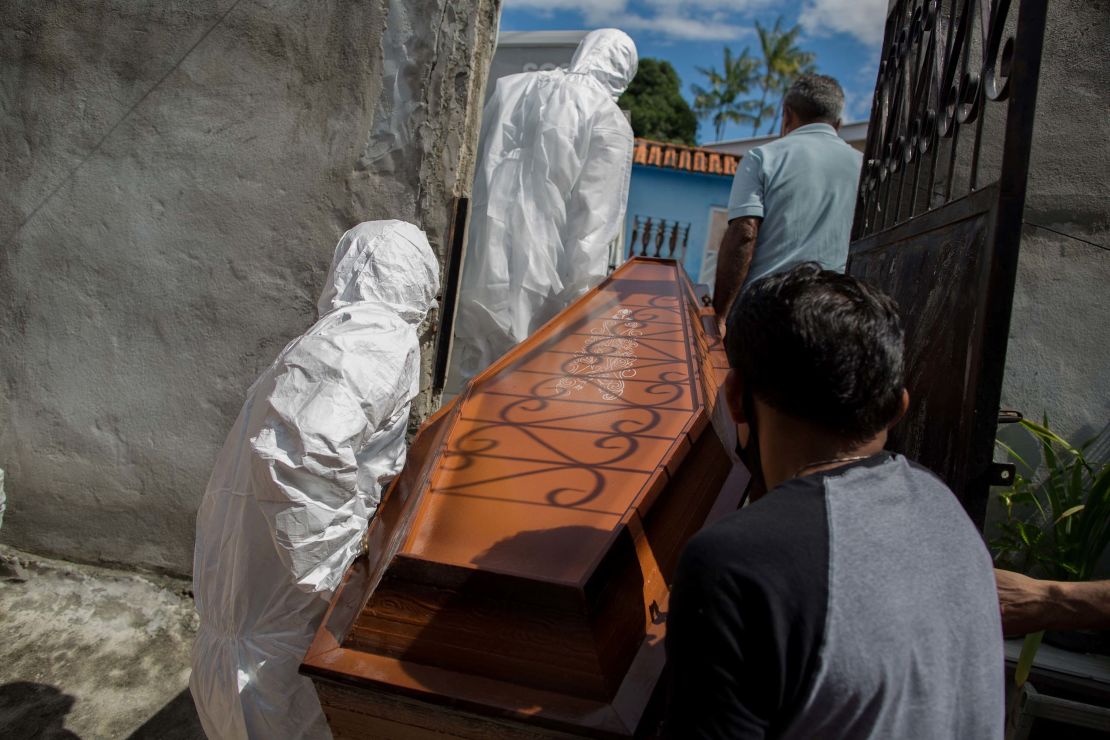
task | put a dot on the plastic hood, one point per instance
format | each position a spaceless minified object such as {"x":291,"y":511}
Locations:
{"x":609,"y":56}
{"x":385,"y":262}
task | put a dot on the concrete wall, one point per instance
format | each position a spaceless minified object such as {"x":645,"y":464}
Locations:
{"x":1058,"y":360}
{"x":173,"y":180}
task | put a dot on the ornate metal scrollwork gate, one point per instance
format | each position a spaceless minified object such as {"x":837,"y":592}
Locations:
{"x":938,"y":218}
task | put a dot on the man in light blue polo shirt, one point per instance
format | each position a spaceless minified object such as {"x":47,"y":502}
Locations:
{"x":793,"y":199}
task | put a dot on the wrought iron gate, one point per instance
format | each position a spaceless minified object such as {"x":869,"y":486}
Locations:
{"x":938,"y":218}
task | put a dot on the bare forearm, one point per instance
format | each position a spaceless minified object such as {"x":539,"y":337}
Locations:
{"x":1082,"y":605}
{"x":1031,"y":605}
{"x":734,"y":260}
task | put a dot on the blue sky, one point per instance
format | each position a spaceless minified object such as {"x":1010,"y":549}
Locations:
{"x":846,"y":35}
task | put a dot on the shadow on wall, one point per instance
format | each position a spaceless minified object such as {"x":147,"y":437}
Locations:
{"x":34,"y":711}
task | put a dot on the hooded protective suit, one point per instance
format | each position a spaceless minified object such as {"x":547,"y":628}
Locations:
{"x":298,"y":478}
{"x":549,"y":197}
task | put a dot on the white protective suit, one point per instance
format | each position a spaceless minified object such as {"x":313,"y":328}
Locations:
{"x":549,"y":197}
{"x":300,"y":475}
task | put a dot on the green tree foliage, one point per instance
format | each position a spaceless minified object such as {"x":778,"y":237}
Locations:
{"x":782,"y":62}
{"x":749,"y":89}
{"x":658,"y":109}
{"x":722,"y":101}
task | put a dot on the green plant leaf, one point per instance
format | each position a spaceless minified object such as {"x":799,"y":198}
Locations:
{"x":1073,"y":510}
{"x":1014,"y":455}
{"x":1025,"y":660}
{"x":1029,"y":534}
{"x":1094,"y":530}
{"x":1058,"y":514}
{"x":1048,"y":437}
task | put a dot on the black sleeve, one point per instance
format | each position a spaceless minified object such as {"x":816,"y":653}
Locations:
{"x":747,"y":615}
{"x":710,"y":653}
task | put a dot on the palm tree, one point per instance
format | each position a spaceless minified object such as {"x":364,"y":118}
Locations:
{"x":721,"y":100}
{"x":782,"y":63}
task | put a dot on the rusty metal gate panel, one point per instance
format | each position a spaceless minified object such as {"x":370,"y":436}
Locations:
{"x":938,"y":218}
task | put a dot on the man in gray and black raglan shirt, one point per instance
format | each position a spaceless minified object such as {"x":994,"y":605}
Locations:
{"x":855,"y":599}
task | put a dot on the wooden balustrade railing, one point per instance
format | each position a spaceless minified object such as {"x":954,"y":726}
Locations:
{"x":659,"y":237}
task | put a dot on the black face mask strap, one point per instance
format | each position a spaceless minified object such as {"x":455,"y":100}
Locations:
{"x":747,"y":489}
{"x":750,"y":455}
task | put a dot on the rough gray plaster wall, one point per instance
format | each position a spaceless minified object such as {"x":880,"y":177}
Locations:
{"x":173,"y":179}
{"x":1058,"y":359}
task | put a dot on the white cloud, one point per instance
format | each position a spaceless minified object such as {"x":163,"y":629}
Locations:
{"x":675,"y":7}
{"x":864,"y":19}
{"x":588,"y":8}
{"x":732,"y":6}
{"x":687,"y":29}
{"x":688,"y":20}
{"x":857,"y":105}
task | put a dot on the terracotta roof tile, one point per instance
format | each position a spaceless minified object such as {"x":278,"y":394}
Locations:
{"x":680,"y":157}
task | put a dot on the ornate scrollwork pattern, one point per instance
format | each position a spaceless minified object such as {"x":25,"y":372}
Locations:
{"x":943,"y":62}
{"x":578,"y":429}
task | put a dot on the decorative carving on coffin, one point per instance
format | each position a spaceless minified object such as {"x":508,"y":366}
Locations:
{"x":606,"y":357}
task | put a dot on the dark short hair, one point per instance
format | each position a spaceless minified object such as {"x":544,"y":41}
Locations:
{"x":815,"y":99}
{"x":820,"y":346}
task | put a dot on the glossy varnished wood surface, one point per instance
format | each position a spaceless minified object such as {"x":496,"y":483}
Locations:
{"x":531,"y":537}
{"x":571,"y":429}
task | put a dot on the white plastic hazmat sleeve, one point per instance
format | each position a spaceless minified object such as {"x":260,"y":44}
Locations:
{"x":299,"y":477}
{"x":549,"y":197}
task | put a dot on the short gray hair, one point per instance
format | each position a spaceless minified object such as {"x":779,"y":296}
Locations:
{"x":815,"y":99}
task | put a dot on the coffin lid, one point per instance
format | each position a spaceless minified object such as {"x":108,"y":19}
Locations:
{"x":532,"y":496}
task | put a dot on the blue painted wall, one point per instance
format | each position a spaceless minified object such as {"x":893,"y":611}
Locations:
{"x":679,"y":196}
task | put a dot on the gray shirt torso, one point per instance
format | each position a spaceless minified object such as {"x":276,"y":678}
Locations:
{"x":912,"y":643}
{"x":854,"y":603}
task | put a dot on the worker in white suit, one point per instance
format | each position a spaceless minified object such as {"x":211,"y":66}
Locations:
{"x":549,"y":197}
{"x":298,"y":479}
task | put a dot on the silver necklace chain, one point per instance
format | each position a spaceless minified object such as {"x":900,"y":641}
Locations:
{"x":819,"y":463}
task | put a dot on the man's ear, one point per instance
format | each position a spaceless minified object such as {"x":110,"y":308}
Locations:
{"x":836,"y":125}
{"x":734,"y":394}
{"x":787,"y":121}
{"x":903,"y":406}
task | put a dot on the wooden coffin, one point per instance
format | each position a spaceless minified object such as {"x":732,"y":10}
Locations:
{"x":516,"y":577}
